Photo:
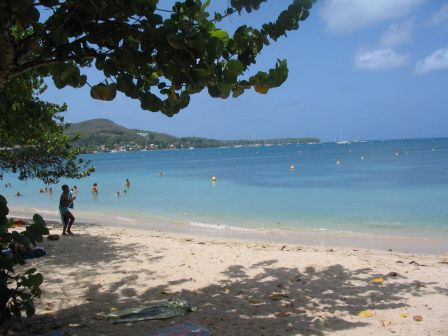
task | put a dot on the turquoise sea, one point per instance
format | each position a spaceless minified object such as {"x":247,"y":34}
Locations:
{"x":379,"y":187}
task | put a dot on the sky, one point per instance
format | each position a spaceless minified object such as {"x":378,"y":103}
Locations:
{"x":366,"y":69}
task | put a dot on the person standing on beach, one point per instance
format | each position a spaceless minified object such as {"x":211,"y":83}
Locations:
{"x":66,"y":202}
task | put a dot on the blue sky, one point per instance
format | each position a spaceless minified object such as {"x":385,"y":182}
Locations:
{"x":374,"y":69}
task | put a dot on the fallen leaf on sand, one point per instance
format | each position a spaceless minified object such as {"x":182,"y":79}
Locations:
{"x":403,"y":315}
{"x":255,"y":301}
{"x":167,"y":291}
{"x":377,"y":280}
{"x":75,"y":325}
{"x":365,"y":313}
{"x":226,"y":290}
{"x":99,"y":317}
{"x":417,"y":318}
{"x":113,"y":309}
{"x":386,"y":323}
{"x":283,"y":314}
{"x":278,"y":296}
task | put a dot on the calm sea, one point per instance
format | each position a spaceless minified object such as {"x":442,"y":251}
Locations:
{"x":386,"y":187}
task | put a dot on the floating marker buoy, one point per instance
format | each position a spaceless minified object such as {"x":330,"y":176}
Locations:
{"x":338,"y":162}
{"x":396,"y":154}
{"x":362,"y":157}
{"x":291,"y":167}
{"x":213,"y":178}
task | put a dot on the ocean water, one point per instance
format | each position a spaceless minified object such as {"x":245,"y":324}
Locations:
{"x":378,"y":187}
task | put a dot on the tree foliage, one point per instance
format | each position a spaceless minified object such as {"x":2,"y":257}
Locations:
{"x":160,"y":57}
{"x":32,"y":139}
{"x":18,"y":291}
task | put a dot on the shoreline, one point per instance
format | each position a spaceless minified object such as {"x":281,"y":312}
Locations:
{"x":327,"y":238}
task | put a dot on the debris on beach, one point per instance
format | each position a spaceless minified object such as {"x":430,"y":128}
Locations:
{"x":283,"y":314}
{"x":160,"y":311}
{"x":403,"y":315}
{"x":365,"y":313}
{"x":386,"y":323}
{"x":417,"y":318}
{"x":182,"y":329}
{"x":254,"y":301}
{"x":392,"y":274}
{"x":278,"y":296}
{"x":377,"y":280}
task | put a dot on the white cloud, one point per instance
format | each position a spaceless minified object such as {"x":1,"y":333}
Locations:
{"x":380,"y":59}
{"x":397,"y":34}
{"x":438,"y":60}
{"x":350,"y":15}
{"x":440,"y":16}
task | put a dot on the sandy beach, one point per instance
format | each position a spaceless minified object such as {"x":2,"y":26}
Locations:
{"x":240,"y":287}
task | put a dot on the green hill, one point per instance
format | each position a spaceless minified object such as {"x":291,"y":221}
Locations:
{"x":104,"y":135}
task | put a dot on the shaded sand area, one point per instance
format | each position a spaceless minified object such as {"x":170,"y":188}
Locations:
{"x":241,"y":288}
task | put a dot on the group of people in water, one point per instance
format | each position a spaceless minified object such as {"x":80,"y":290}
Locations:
{"x":9,"y":185}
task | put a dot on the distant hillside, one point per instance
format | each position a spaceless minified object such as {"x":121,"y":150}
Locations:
{"x":105,"y":135}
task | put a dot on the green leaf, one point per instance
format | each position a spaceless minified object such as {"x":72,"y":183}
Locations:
{"x":37,"y":219}
{"x":222,"y":35}
{"x":103,"y":92}
{"x":175,"y":42}
{"x":214,"y":48}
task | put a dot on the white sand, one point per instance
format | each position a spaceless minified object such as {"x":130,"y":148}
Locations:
{"x":241,"y":288}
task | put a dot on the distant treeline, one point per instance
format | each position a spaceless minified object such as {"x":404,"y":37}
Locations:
{"x":104,"y":135}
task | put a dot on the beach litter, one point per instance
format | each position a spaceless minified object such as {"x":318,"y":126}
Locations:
{"x":165,"y":310}
{"x":417,"y":318}
{"x":377,"y":280}
{"x":365,"y":313}
{"x":182,"y":329}
{"x":386,"y":323}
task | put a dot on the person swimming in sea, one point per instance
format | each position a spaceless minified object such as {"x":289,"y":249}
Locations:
{"x":95,"y":188}
{"x":127,"y":183}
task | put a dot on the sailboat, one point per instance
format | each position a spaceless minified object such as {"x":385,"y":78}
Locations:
{"x":340,"y":141}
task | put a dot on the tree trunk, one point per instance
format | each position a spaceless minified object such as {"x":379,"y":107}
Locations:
{"x":6,"y":56}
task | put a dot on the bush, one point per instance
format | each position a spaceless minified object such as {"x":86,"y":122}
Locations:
{"x":18,"y":291}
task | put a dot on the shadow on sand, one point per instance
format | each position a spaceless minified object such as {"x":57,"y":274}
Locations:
{"x":276,"y":301}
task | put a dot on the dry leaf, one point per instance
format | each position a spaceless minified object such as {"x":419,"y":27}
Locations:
{"x":99,"y":317}
{"x":365,"y":313}
{"x":278,"y":296}
{"x":255,"y":301}
{"x":386,"y":323}
{"x":226,"y":290}
{"x":283,"y":314}
{"x":417,"y":318}
{"x":113,"y":309}
{"x":377,"y":280}
{"x":403,"y":315}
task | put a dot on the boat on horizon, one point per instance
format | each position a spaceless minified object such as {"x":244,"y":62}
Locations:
{"x":340,"y":141}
